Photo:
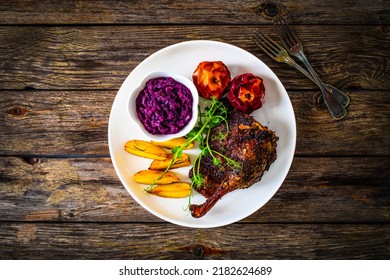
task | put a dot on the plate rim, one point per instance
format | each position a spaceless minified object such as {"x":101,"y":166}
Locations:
{"x":115,"y":164}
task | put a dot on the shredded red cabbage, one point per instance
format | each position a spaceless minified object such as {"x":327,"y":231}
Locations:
{"x":164,"y":106}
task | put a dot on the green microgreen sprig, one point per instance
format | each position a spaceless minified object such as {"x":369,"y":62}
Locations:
{"x":213,"y":115}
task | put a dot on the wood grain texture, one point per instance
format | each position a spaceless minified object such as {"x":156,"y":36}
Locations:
{"x":55,"y":123}
{"x":166,"y":241}
{"x":192,"y":12}
{"x":75,"y":123}
{"x":91,"y":57}
{"x":61,"y":65}
{"x":87,"y":189}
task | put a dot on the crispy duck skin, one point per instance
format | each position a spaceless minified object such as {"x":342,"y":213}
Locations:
{"x":250,"y":144}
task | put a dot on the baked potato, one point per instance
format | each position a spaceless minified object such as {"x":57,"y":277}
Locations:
{"x":149,"y":177}
{"x":175,"y":142}
{"x":145,"y":149}
{"x":182,"y":161}
{"x":173,"y":190}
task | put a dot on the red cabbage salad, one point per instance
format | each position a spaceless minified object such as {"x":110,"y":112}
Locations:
{"x":164,"y":106}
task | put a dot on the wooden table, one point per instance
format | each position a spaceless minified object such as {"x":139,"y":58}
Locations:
{"x":61,"y":66}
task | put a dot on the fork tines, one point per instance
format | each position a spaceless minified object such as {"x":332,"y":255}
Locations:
{"x":288,"y":37}
{"x":269,"y":46}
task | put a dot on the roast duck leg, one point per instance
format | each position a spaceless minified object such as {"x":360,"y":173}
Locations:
{"x":248,"y":143}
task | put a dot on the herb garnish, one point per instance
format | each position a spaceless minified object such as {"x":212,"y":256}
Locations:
{"x":214,"y":114}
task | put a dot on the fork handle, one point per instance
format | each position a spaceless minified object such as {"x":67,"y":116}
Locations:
{"x":336,"y":109}
{"x":342,"y":97}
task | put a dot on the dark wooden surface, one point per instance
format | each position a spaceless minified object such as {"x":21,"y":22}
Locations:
{"x":61,"y":66}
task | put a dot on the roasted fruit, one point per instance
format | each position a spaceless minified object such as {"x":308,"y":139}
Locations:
{"x":149,"y":177}
{"x":145,"y":149}
{"x":246,"y":92}
{"x":212,"y":79}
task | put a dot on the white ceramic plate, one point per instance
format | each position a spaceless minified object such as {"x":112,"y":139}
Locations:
{"x":277,"y":113}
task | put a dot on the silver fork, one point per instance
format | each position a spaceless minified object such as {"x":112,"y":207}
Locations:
{"x":279,"y":54}
{"x":294,"y":47}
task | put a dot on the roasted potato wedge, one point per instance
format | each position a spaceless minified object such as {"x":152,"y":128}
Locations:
{"x":170,"y":144}
{"x":182,"y":161}
{"x":145,"y":149}
{"x":174,"y":190}
{"x":148,"y":177}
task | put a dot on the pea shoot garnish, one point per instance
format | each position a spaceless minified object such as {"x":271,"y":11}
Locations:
{"x":214,"y":114}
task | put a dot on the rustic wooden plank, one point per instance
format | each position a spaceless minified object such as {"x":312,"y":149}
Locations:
{"x":63,"y":200}
{"x":61,"y":122}
{"x":76,"y":122}
{"x":165,"y":241}
{"x":338,"y":190}
{"x":192,"y":11}
{"x":348,"y":136}
{"x":90,"y":57}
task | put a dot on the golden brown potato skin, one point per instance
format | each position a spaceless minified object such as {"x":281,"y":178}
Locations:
{"x":182,"y":161}
{"x":149,"y":177}
{"x":175,"y":142}
{"x":145,"y":149}
{"x":174,"y":190}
